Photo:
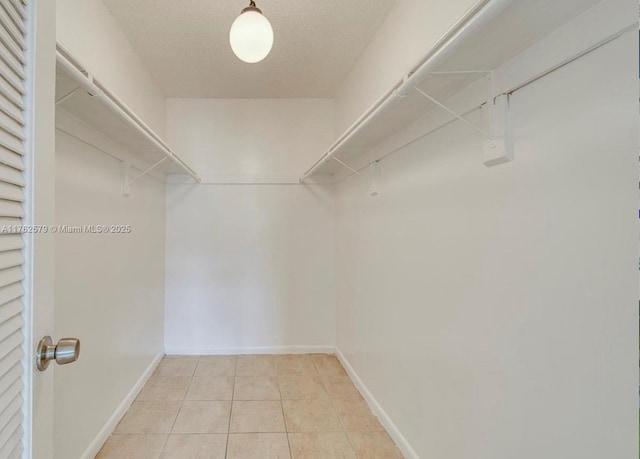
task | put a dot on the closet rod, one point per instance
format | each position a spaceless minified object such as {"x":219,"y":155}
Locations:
{"x":89,"y":84}
{"x":472,"y":21}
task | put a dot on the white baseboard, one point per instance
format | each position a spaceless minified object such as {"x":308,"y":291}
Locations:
{"x":251,"y":350}
{"x":113,"y":421}
{"x":401,"y":442}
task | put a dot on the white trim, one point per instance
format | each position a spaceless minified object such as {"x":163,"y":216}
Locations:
{"x":28,"y":283}
{"x":115,"y":418}
{"x":378,"y":411}
{"x":313,"y":349}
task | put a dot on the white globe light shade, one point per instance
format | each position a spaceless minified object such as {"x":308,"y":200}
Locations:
{"x":251,"y":37}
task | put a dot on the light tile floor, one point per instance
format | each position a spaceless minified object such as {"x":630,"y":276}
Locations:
{"x":249,"y":407}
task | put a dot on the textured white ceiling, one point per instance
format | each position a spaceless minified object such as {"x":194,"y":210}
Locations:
{"x":185,"y":45}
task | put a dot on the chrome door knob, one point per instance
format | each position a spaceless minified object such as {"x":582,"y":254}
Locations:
{"x":66,"y":351}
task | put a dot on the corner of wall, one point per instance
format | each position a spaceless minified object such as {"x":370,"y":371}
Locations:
{"x":122,"y":409}
{"x":89,"y":30}
{"x":401,"y":442}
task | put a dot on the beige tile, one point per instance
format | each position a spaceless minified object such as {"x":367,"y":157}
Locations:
{"x":320,"y":446}
{"x":195,"y":447}
{"x":310,"y":416}
{"x":164,"y":388}
{"x":210,"y":388}
{"x":374,"y":445}
{"x":256,"y":365}
{"x":341,"y":387}
{"x":203,"y":417}
{"x":149,"y":418}
{"x":294,"y":364}
{"x":356,"y":416}
{"x":216,"y":365}
{"x":296,"y":387}
{"x":258,"y":446}
{"x":257,"y":417}
{"x":327,"y":364}
{"x":132,"y":447}
{"x":177,"y":366}
{"x":256,"y":388}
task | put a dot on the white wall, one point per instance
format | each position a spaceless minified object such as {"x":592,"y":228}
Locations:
{"x":410,"y":29}
{"x":92,"y":35}
{"x":109,"y":290}
{"x":492,"y":312}
{"x":250,"y":268}
{"x":255,"y":137}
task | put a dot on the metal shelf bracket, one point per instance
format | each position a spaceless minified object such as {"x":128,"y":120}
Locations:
{"x":497,"y":139}
{"x":453,"y":112}
{"x":339,"y":161}
{"x":374,"y":169}
{"x":126,"y":174}
{"x":67,"y":95}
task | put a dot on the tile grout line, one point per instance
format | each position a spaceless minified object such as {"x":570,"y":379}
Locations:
{"x":344,"y":430}
{"x":284,"y":418}
{"x":233,"y":393}
{"x":180,"y":409}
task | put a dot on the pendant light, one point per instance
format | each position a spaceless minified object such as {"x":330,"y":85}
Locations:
{"x":251,"y":35}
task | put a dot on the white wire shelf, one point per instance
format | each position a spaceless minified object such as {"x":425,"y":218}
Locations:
{"x":79,"y":94}
{"x":485,"y":38}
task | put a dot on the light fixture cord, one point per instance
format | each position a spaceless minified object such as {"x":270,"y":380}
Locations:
{"x":252,"y":3}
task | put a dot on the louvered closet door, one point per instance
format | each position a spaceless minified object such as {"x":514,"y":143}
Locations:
{"x":12,"y":182}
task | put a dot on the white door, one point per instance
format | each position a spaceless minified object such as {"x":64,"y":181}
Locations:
{"x":27,"y":107}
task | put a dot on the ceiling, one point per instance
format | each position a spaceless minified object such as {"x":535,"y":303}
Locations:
{"x":185,"y":45}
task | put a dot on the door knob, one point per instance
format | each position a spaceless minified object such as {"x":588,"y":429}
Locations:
{"x":66,"y":351}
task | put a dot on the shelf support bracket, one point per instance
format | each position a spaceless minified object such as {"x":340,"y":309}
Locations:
{"x":374,"y":168}
{"x":496,"y":116}
{"x":147,"y":170}
{"x":453,"y":112}
{"x":126,"y":174}
{"x":67,"y":95}
{"x":347,"y":166}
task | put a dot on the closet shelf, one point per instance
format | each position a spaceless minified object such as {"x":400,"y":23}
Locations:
{"x":485,"y":38}
{"x":84,"y":97}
